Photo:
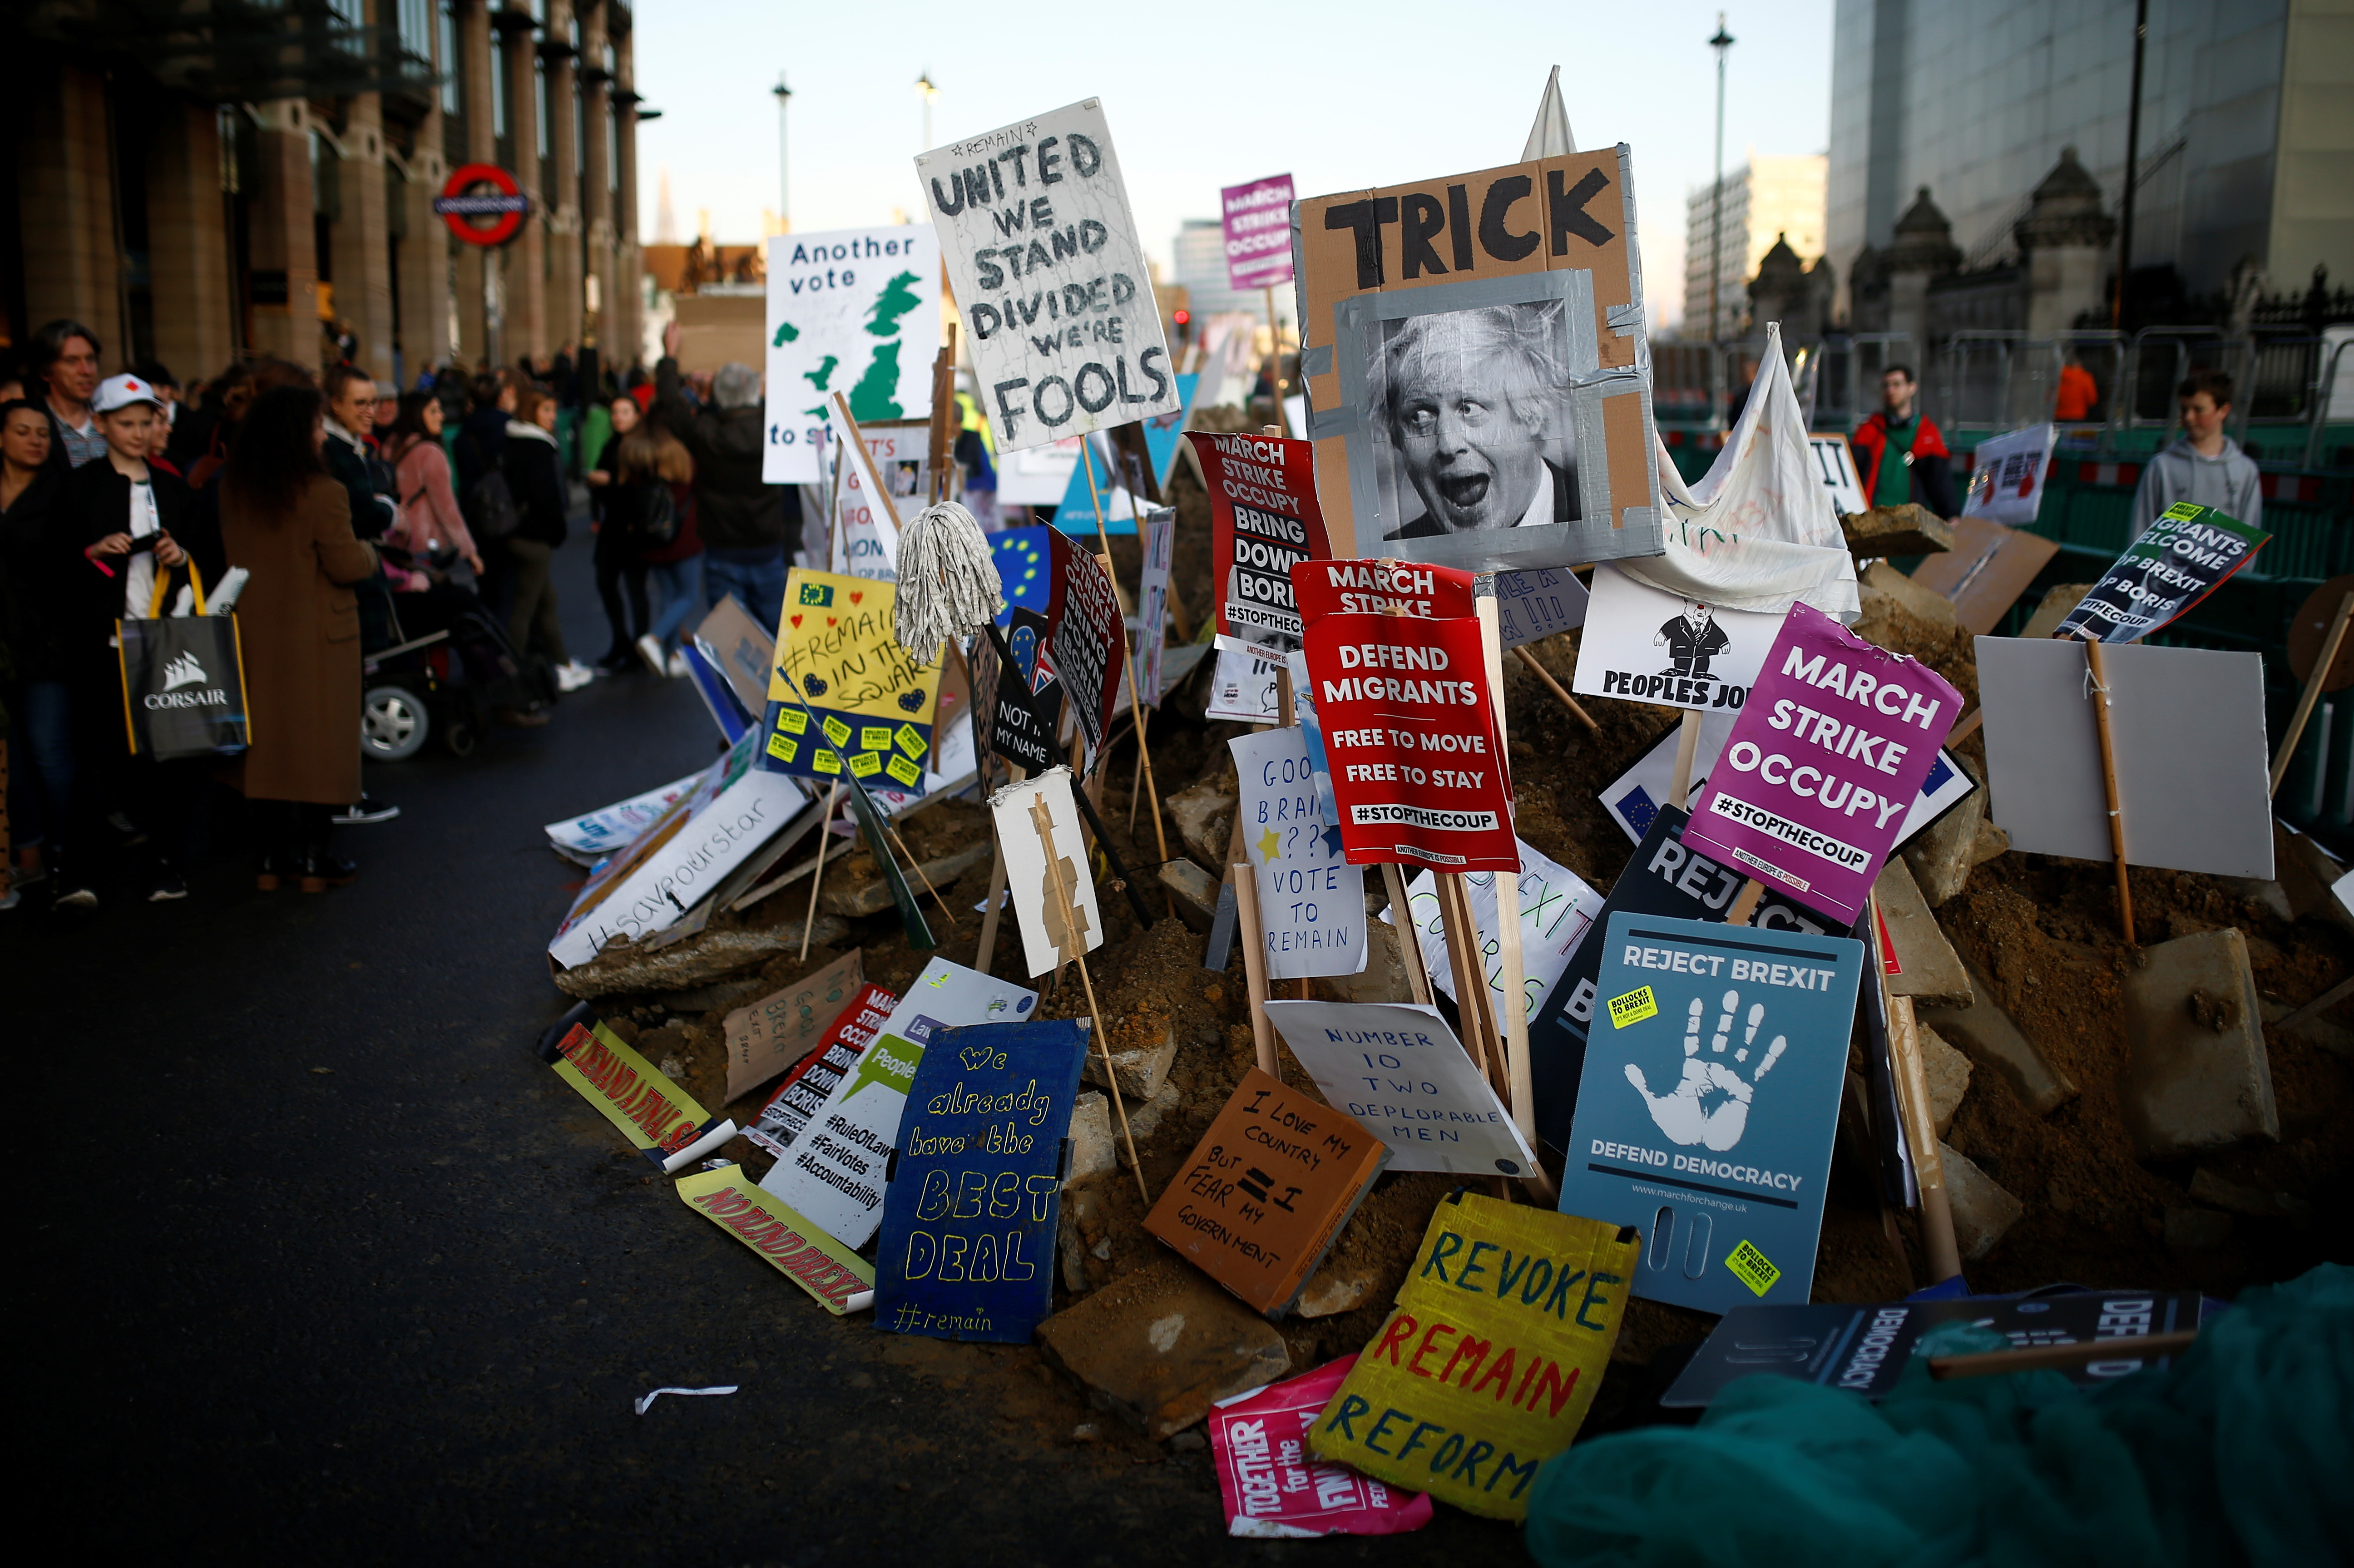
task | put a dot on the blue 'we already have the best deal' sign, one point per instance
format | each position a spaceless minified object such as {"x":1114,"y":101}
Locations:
{"x":1707,"y":1103}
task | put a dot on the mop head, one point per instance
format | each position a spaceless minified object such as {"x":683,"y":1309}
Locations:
{"x":947,"y":580}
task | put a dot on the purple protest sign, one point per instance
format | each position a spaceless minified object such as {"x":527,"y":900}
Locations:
{"x":1826,"y":758}
{"x":1257,"y":218}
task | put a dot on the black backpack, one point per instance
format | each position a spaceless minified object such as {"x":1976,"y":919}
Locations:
{"x":490,"y":508}
{"x":658,"y":517}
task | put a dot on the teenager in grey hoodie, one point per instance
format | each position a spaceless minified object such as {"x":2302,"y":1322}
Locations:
{"x":2205,"y":467}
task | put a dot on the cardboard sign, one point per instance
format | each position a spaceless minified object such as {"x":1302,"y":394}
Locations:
{"x":1090,"y":640}
{"x":1556,"y":910}
{"x":2007,"y":476}
{"x":1473,"y":347}
{"x":812,"y":1080}
{"x":1646,"y":646}
{"x":1864,"y":1349}
{"x":1491,"y":1357}
{"x":2184,"y":555}
{"x":1274,"y":1490}
{"x":1124,"y":489}
{"x":885,"y":478}
{"x":1707,"y":1103}
{"x":1417,"y":766}
{"x":740,"y":648}
{"x":1029,"y":814}
{"x":1534,"y":605}
{"x":1157,"y":546}
{"x":837,"y":1277}
{"x":969,"y":1226}
{"x":586,"y":840}
{"x":1264,"y":521}
{"x":773,"y":1033}
{"x":1398,"y":1069}
{"x":658,"y":1117}
{"x":1267,"y":1192}
{"x":1043,"y":258}
{"x":1311,"y":902}
{"x":1986,"y":571}
{"x":845,"y":699}
{"x":2188,"y":729}
{"x":1835,"y":466}
{"x":855,"y":311}
{"x":1824,"y":765}
{"x":1664,"y":877}
{"x":1256,"y":222}
{"x":1076,"y":634}
{"x":835,"y":1172}
{"x":1633,"y":798}
{"x":1024,"y":704}
{"x":1383,"y":588}
{"x":1243,"y":686}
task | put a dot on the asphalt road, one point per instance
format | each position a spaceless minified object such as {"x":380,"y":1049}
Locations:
{"x":323,"y":1261}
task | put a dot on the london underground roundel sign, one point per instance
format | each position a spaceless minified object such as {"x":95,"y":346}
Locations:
{"x":481,"y":204}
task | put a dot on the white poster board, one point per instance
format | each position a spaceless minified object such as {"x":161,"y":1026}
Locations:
{"x":1311,"y":902}
{"x":1158,"y":537}
{"x":855,"y":311}
{"x":1645,"y":645}
{"x":1028,"y":880}
{"x":1834,"y":462}
{"x":866,"y":533}
{"x":2007,"y":476}
{"x":1043,"y":255}
{"x":1557,"y":909}
{"x":586,"y":840}
{"x":1243,"y":686}
{"x":1397,"y":1068}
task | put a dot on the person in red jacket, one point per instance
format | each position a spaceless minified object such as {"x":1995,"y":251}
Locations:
{"x":1900,"y":454}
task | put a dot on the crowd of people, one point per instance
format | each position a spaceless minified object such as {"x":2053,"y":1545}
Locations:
{"x":338,"y":518}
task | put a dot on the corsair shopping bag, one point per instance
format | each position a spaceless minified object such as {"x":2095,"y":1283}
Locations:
{"x":183,"y":681}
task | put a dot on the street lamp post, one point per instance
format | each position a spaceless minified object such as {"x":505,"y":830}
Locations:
{"x":926,"y":91}
{"x":784,"y":185}
{"x":1722,"y":45}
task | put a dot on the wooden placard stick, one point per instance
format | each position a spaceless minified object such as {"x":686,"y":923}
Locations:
{"x":2100,"y":682}
{"x":1745,"y":901}
{"x":1471,"y":976}
{"x":1418,"y":978}
{"x":914,"y":867}
{"x":1968,"y":728}
{"x":1518,"y":1069}
{"x":1687,"y":747}
{"x":1070,"y":948}
{"x":1920,"y":1127}
{"x":1135,"y":703}
{"x":943,"y":425}
{"x":1542,"y":673}
{"x":1252,"y":935}
{"x":2057,"y":1358}
{"x":817,"y":878}
{"x":2312,"y":693}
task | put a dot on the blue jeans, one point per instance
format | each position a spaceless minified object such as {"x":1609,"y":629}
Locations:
{"x":682,"y":590}
{"x":45,"y":727}
{"x":756,"y":578}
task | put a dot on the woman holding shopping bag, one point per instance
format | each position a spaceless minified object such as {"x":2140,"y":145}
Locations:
{"x":288,"y":523}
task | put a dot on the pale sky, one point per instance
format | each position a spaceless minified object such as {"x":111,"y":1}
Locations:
{"x":1341,"y":96}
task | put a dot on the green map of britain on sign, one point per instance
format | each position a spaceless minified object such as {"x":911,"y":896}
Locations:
{"x":875,"y":395}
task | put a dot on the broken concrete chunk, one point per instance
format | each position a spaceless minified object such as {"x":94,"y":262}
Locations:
{"x":2321,"y":1033}
{"x":1141,"y":1069}
{"x":1091,"y":1138}
{"x":1334,"y":1290}
{"x":1918,"y":599}
{"x":1940,"y":854}
{"x":1383,"y":978}
{"x":2197,"y":1229}
{"x":1948,"y":1071}
{"x":1203,"y":814}
{"x":1144,"y":1119}
{"x":2306,"y":873}
{"x":1196,"y":890}
{"x":2197,"y":1076}
{"x":1934,"y":974}
{"x":2058,"y":601}
{"x":1884,"y":531}
{"x":1991,"y":842}
{"x":1986,"y":1035}
{"x":874,"y":897}
{"x":1159,"y":1347}
{"x":1983,"y":1211}
{"x":2206,"y":1187}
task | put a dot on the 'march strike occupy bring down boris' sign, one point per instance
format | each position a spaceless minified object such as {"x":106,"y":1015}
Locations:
{"x":1045,"y":264}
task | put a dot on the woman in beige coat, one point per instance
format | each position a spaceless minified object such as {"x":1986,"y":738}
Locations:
{"x":289,"y":523}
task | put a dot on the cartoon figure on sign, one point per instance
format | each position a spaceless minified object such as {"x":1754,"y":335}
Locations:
{"x":1692,"y":640}
{"x":1711,"y":1104}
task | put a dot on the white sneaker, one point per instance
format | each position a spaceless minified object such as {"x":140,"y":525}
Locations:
{"x":650,"y":651}
{"x":678,"y":664}
{"x":572,"y":676}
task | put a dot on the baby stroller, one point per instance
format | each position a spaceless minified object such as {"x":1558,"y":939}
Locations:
{"x":447,"y":681}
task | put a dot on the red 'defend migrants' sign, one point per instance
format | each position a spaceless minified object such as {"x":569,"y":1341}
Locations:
{"x":1410,"y":731}
{"x":1381,"y":588}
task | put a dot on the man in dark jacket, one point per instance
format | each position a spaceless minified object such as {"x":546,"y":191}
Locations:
{"x":745,"y":523}
{"x":1900,"y":454}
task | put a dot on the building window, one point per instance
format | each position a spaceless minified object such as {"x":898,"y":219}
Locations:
{"x":450,"y":73}
{"x":498,"y":94}
{"x":350,"y":34}
{"x":543,"y":111}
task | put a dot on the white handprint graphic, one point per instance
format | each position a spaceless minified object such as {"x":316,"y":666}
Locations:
{"x":1710,"y":1103}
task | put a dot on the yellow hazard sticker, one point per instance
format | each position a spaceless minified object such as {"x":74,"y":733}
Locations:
{"x":905,"y":771}
{"x":825,"y":761}
{"x":911,"y":741}
{"x":1634,"y":1007}
{"x":836,"y":731}
{"x":866,"y":765}
{"x":792,"y":720}
{"x":875,"y":737}
{"x":1749,"y":1266}
{"x":783,"y":749}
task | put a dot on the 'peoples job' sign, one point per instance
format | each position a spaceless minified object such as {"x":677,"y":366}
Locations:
{"x":1044,"y":259}
{"x":1824,"y":763}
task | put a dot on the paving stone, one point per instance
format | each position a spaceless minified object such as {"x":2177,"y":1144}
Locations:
{"x":1907,"y":530}
{"x":1092,"y":1136}
{"x":873,"y":896}
{"x":1203,"y":815}
{"x":1991,"y":841}
{"x":1948,"y":1071}
{"x":697,"y":961}
{"x":1934,"y":973}
{"x":2197,"y":1229}
{"x":1940,"y":854}
{"x":1383,"y":978}
{"x":1983,"y":1211}
{"x":1986,"y":1035}
{"x":1141,"y":1069}
{"x":1329,"y":1291}
{"x":2206,"y":1187}
{"x":2058,"y":601}
{"x":1196,"y":890}
{"x":1159,"y":1346}
{"x":1144,"y":1119}
{"x":2197,"y":1075}
{"x":1918,"y":599}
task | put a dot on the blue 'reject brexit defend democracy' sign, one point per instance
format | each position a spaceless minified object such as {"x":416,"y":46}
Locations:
{"x":1709,"y":1099}
{"x":969,"y":1222}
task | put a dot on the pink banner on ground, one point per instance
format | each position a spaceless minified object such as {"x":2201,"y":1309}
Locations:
{"x":1258,"y":220}
{"x":1273,"y":1488}
{"x":1828,"y":754}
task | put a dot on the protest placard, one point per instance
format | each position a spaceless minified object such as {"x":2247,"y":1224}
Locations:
{"x":1663,"y":878}
{"x":1413,"y":588}
{"x":1523,"y":324}
{"x":1044,"y":259}
{"x":1644,"y":645}
{"x":840,"y":1279}
{"x":773,"y":1033}
{"x":1986,"y":571}
{"x":1125,"y":479}
{"x":586,"y":840}
{"x":2184,"y":555}
{"x":1063,"y":624}
{"x":661,"y":1120}
{"x":1267,"y":1192}
{"x":1491,"y":1358}
{"x":835,"y":1172}
{"x":1264,"y":521}
{"x":1398,"y":1069}
{"x":1824,"y":764}
{"x":1311,"y":902}
{"x":1274,"y":1490}
{"x":1023,"y":706}
{"x":1243,"y":686}
{"x":1256,"y":219}
{"x":2007,"y":476}
{"x":806,"y":1087}
{"x":1706,"y":1107}
{"x":883,"y":482}
{"x":1410,"y":728}
{"x":1537,"y":604}
{"x":1835,"y":466}
{"x":740,"y":648}
{"x":1556,"y":910}
{"x":1031,"y":885}
{"x":845,"y":700}
{"x":969,"y":1225}
{"x":851,"y":310}
{"x":1157,"y":546}
{"x":1304,"y":719}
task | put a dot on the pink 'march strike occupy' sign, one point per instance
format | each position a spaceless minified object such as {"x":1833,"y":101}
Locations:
{"x":1257,"y":218}
{"x":1826,"y":757}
